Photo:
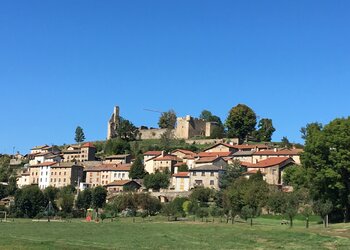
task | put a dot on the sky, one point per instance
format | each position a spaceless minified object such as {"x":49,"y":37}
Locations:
{"x":67,"y":63}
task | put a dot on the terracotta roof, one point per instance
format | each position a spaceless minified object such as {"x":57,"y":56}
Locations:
{"x":251,"y":146}
{"x":220,"y":143}
{"x":206,"y":168}
{"x":178,"y":164}
{"x":182,"y":174}
{"x":269,"y":162}
{"x":208,"y":159}
{"x":43,"y":164}
{"x":153,"y":153}
{"x":88,"y":145}
{"x":213,"y":154}
{"x":121,"y":183}
{"x":279,"y":152}
{"x":65,"y":165}
{"x":184,"y":151}
{"x":168,"y":158}
{"x":109,"y":167}
{"x":39,"y":147}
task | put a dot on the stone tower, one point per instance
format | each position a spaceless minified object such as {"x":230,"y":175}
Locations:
{"x":113,"y":123}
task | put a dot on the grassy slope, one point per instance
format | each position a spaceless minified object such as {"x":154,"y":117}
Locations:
{"x":123,"y":234}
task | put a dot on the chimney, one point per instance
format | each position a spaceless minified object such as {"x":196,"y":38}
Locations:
{"x":163,"y":153}
{"x":275,"y":149}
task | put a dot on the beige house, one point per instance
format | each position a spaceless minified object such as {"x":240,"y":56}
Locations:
{"x":122,"y":186}
{"x":23,"y":178}
{"x":181,"y":181}
{"x":264,"y":154}
{"x":117,"y":159}
{"x":106,"y":173}
{"x":243,"y":156}
{"x":221,"y":147}
{"x":216,"y":161}
{"x":206,"y":176}
{"x":182,"y":153}
{"x":73,"y":153}
{"x":166,"y":162}
{"x":65,"y":173}
{"x":272,"y":169}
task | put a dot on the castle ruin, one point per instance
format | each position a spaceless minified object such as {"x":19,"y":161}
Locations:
{"x":186,"y":128}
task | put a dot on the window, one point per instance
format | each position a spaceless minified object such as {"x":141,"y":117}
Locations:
{"x":90,"y":180}
{"x":211,"y":182}
{"x":103,"y":182}
{"x":194,"y":173}
{"x":64,"y":180}
{"x":115,"y":175}
{"x":119,"y":175}
{"x":198,"y":182}
{"x":203,"y":173}
{"x":59,"y":173}
{"x":64,"y":173}
{"x":59,"y":179}
{"x":123,"y":175}
{"x":211,"y":173}
{"x":90,"y":174}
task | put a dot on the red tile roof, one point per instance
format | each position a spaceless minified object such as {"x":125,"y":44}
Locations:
{"x":182,"y":174}
{"x":279,"y":152}
{"x":109,"y":167}
{"x":184,"y":151}
{"x":214,"y":154}
{"x":207,"y":159}
{"x":47,"y":163}
{"x":251,"y":146}
{"x":121,"y":183}
{"x":153,"y":153}
{"x":220,"y":143}
{"x":269,"y":162}
{"x":168,"y":158}
{"x":88,"y":145}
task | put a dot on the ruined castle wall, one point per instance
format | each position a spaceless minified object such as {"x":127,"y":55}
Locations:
{"x":151,"y":133}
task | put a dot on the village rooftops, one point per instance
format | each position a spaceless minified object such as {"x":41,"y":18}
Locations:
{"x":243,"y":153}
{"x":214,"y":154}
{"x":44,"y":164}
{"x":182,"y":174}
{"x":66,"y":165}
{"x":121,"y":183}
{"x":208,"y":159}
{"x":108,"y":167}
{"x":269,"y":162}
{"x":168,"y":158}
{"x":122,"y":156}
{"x":186,"y":152}
{"x":206,"y":168}
{"x":88,"y":145}
{"x":40,"y":147}
{"x":154,"y":153}
{"x":280,"y":152}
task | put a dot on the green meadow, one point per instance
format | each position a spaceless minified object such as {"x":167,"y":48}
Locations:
{"x":266,"y":233}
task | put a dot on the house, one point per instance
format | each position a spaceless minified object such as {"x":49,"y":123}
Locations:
{"x":243,"y":156}
{"x":117,"y":159}
{"x":181,"y":153}
{"x":264,"y":154}
{"x":181,"y":181}
{"x":272,"y":169}
{"x":23,"y":178}
{"x":104,"y":174}
{"x":214,"y":160}
{"x":166,"y":162}
{"x":122,"y":186}
{"x":148,"y":160}
{"x":206,"y":176}
{"x":66,"y":173}
{"x":85,"y":152}
{"x":221,"y":147}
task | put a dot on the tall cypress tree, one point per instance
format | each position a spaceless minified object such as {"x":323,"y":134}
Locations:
{"x":79,"y":135}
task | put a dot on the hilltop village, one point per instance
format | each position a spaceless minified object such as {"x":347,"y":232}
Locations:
{"x":79,"y":166}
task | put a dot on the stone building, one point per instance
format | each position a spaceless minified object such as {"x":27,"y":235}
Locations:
{"x":186,"y":127}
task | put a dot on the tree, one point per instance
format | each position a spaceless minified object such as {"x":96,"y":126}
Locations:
{"x":137,"y":170}
{"x":51,"y":194}
{"x":84,"y":199}
{"x":202,"y":195}
{"x":126,"y":130}
{"x":218,"y":131}
{"x":240,"y":122}
{"x":29,"y":201}
{"x":265,"y":130}
{"x":166,"y":139}
{"x":295,"y":176}
{"x":148,"y":203}
{"x":167,"y":119}
{"x":157,"y":180}
{"x":285,"y":143}
{"x":323,"y":208}
{"x":182,"y":168}
{"x":290,"y":206}
{"x":66,"y":201}
{"x":232,"y":172}
{"x":326,"y":158}
{"x":116,"y":146}
{"x":276,"y":201}
{"x":79,"y":135}
{"x":99,"y":195}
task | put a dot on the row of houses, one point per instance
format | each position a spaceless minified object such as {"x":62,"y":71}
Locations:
{"x":76,"y":165}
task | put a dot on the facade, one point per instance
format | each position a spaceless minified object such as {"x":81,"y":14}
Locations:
{"x":181,"y":181}
{"x":206,"y":176}
{"x":77,"y":153}
{"x":104,"y":174}
{"x":23,"y":178}
{"x":215,"y":161}
{"x":65,"y":173}
{"x":272,"y":169}
{"x":165,"y":162}
{"x":265,"y":154}
{"x":117,"y":159}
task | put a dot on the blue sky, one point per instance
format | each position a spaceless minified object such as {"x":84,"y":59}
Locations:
{"x":67,"y":63}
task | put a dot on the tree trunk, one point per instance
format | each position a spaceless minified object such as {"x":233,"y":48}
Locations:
{"x":291,"y":221}
{"x":251,"y":221}
{"x":307,"y":222}
{"x":324,"y":222}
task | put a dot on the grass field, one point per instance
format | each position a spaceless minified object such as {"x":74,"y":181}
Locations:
{"x":160,"y":234}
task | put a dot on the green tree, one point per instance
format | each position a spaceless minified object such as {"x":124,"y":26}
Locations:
{"x":29,"y":201}
{"x":218,"y":131}
{"x":137,"y":170}
{"x":166,"y":139}
{"x":51,"y":194}
{"x":182,"y":168}
{"x":157,"y":180}
{"x":295,"y":176}
{"x":232,"y":172}
{"x":326,"y":158}
{"x":148,"y":203}
{"x":66,"y":201}
{"x":99,"y":195}
{"x":290,"y":206}
{"x":265,"y":130}
{"x":167,"y":119}
{"x":126,"y":130}
{"x":116,"y":146}
{"x":276,"y":201}
{"x":285,"y":143}
{"x":84,"y":199}
{"x":323,"y":208}
{"x":241,"y":122}
{"x":202,"y":195}
{"x":79,"y":135}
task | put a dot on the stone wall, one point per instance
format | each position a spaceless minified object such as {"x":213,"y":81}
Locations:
{"x":153,"y":133}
